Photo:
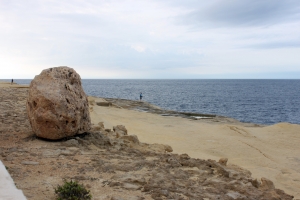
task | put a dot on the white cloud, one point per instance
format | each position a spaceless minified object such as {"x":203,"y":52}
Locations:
{"x":138,"y":47}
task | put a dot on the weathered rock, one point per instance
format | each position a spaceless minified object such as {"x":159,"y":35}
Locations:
{"x":130,"y":186}
{"x":223,"y":161}
{"x":168,"y":148}
{"x":132,"y":138}
{"x":120,"y":130}
{"x":101,"y":124}
{"x":57,"y":106}
{"x":71,"y":143}
{"x":96,"y":128}
{"x":30,"y":163}
{"x":162,"y":148}
{"x":107,"y":104}
{"x":266,"y":184}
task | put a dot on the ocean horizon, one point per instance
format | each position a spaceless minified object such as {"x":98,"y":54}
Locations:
{"x":259,"y":101}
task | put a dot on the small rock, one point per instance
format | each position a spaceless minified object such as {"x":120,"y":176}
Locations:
{"x":120,"y":130}
{"x":96,"y":128}
{"x":30,"y":163}
{"x":168,"y":148}
{"x":266,"y":184}
{"x":107,"y":104}
{"x":160,"y":148}
{"x":49,"y":153}
{"x":101,"y":124}
{"x":71,"y":142}
{"x":67,"y":153}
{"x":223,"y":161}
{"x":255,"y":183}
{"x":131,"y":138}
{"x":130,"y":186}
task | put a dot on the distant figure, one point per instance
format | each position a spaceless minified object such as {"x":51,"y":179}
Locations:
{"x":12,"y":81}
{"x":141,"y":96}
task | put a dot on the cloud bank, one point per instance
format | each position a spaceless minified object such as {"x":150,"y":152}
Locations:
{"x":151,"y":39}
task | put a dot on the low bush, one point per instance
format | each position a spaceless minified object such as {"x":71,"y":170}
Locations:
{"x":72,"y":190}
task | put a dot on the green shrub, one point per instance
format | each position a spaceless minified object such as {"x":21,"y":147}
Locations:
{"x":72,"y":191}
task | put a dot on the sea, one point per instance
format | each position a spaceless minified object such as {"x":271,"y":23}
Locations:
{"x":256,"y":101}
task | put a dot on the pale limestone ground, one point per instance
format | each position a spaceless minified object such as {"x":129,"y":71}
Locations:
{"x":272,"y":152}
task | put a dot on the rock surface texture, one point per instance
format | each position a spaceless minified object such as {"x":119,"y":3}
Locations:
{"x":57,"y":106}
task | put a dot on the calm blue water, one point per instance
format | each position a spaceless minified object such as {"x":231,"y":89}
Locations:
{"x":256,"y":101}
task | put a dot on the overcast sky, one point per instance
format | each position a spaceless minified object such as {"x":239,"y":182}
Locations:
{"x":151,"y":38}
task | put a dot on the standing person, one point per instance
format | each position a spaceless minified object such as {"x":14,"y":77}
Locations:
{"x":12,"y":81}
{"x":141,"y":96}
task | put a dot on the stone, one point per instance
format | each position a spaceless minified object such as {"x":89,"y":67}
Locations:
{"x":130,"y":186}
{"x":120,"y":130}
{"x":132,"y":138}
{"x":255,"y":183}
{"x":51,"y":153}
{"x":162,"y":148}
{"x":223,"y":161}
{"x":57,"y":106}
{"x":168,"y":148}
{"x":101,"y":124}
{"x":96,"y":128}
{"x":71,"y":143}
{"x":266,"y":184}
{"x":107,"y":104}
{"x":30,"y":163}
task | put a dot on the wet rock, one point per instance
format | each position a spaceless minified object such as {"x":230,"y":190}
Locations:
{"x":57,"y":106}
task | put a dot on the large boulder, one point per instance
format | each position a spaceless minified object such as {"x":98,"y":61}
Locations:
{"x":57,"y":106}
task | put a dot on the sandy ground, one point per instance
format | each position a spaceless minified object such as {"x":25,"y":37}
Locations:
{"x":272,"y":151}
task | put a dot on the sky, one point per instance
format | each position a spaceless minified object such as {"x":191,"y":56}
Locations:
{"x":151,"y":39}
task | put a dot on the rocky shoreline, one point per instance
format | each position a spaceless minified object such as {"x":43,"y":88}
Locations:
{"x":115,"y":165}
{"x":144,"y":106}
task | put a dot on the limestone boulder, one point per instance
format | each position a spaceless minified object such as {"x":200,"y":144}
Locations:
{"x":57,"y":106}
